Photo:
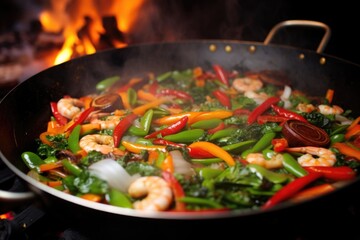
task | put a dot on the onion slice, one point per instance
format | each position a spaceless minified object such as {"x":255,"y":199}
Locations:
{"x":113,"y":173}
{"x":181,"y":166}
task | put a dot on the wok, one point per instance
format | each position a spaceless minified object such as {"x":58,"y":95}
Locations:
{"x":24,"y":111}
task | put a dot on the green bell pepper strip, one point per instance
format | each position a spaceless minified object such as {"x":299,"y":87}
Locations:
{"x":187,"y":136}
{"x":222,"y":133}
{"x":269,"y":175}
{"x":164,"y":76}
{"x":260,"y":145}
{"x":207,"y":124}
{"x":292,"y":166}
{"x":201,"y":201}
{"x":132,"y":96}
{"x":107,"y":83}
{"x":117,"y":198}
{"x":238,"y":147}
{"x":72,"y":168}
{"x":340,"y":137}
{"x":73,"y":140}
{"x":32,"y":160}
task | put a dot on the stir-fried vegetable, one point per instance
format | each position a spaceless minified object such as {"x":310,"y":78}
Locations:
{"x":196,"y":140}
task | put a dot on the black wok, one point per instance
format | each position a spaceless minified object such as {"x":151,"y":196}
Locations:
{"x":25,"y":111}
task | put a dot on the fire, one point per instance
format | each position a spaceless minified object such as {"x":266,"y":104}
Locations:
{"x":81,"y":23}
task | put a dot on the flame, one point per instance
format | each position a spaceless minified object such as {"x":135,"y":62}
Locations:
{"x":80,"y":22}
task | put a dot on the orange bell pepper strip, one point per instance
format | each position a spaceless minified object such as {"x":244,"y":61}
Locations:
{"x":354,"y":123}
{"x":92,"y":197}
{"x":125,"y":99}
{"x":352,"y":132}
{"x":137,"y":148}
{"x":167,"y":120}
{"x":329,"y":95}
{"x":221,"y":114}
{"x":55,"y":127}
{"x":143,"y":108}
{"x":347,"y":150}
{"x":147,"y":96}
{"x":54,"y":183}
{"x":214,"y":150}
{"x":168,"y":164}
{"x":86,"y":128}
{"x":312,"y":192}
{"x":49,"y":166}
{"x":44,"y":139}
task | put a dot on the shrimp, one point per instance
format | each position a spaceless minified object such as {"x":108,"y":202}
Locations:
{"x":109,"y":123}
{"x":257,"y":97}
{"x":276,"y":161}
{"x":326,"y":109}
{"x":157,"y":191}
{"x":325,"y":156}
{"x":69,"y":107}
{"x":247,"y":84}
{"x":306,"y":108}
{"x":100,"y":143}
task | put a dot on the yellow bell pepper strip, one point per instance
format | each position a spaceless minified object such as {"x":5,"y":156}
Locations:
{"x":125,"y":100}
{"x":80,"y":119}
{"x":352,"y":132}
{"x":143,"y":108}
{"x":172,"y":129}
{"x":214,"y":150}
{"x":122,"y":127}
{"x":312,"y":192}
{"x":347,"y":150}
{"x":291,"y":189}
{"x":177,"y":190}
{"x":167,"y":120}
{"x":262,"y":108}
{"x":137,"y":148}
{"x":219,"y":114}
{"x":59,"y":118}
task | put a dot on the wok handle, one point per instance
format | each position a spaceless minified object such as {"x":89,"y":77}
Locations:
{"x":304,"y":23}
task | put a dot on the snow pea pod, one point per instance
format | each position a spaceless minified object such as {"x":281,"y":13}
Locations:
{"x":117,"y":198}
{"x":72,"y":168}
{"x":106,"y":83}
{"x":222,"y":133}
{"x":186,"y":136}
{"x":260,"y":145}
{"x":206,"y":161}
{"x":238,"y":147}
{"x":269,"y":175}
{"x":209,"y":173}
{"x":73,"y":140}
{"x":207,"y":124}
{"x":32,"y":160}
{"x":292,"y":166}
{"x":340,"y":137}
{"x":145,"y":123}
{"x":201,"y":201}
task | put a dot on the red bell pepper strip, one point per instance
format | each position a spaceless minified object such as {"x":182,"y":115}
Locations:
{"x":122,"y":127}
{"x":81,"y":118}
{"x":241,"y":111}
{"x":173,"y":128}
{"x":280,"y":144}
{"x":288,"y":114}
{"x":176,"y":93}
{"x":59,"y":118}
{"x":262,"y":108}
{"x":291,"y":189}
{"x":177,"y":190}
{"x":223,"y":98}
{"x":333,"y":173}
{"x":221,"y":74}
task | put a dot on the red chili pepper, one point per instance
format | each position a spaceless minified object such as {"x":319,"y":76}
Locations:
{"x":270,"y":118}
{"x":280,"y":144}
{"x":221,"y":74}
{"x":177,"y":190}
{"x":175,"y":93}
{"x":290,"y":189}
{"x":217,"y":128}
{"x":287,"y":113}
{"x":173,"y":128}
{"x":199,"y":153}
{"x":262,"y":108}
{"x":161,"y":141}
{"x":59,"y":118}
{"x":333,"y":173}
{"x":81,"y":118}
{"x":153,"y":87}
{"x":356,"y":141}
{"x":122,"y":127}
{"x":223,"y":98}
